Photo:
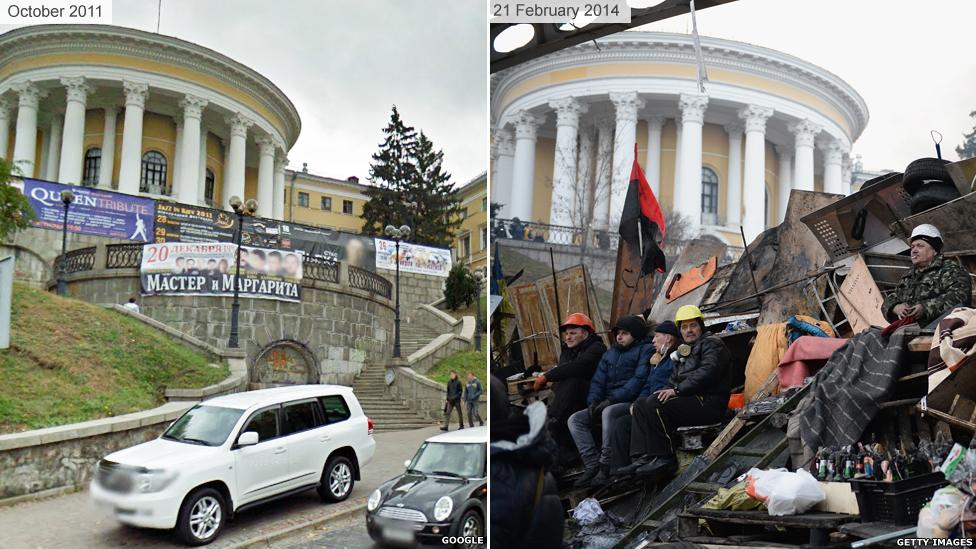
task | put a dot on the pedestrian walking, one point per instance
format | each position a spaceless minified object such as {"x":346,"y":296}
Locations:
{"x":472,"y":394}
{"x":454,"y":390}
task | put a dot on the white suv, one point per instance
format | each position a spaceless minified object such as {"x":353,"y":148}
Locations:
{"x":234,"y":452}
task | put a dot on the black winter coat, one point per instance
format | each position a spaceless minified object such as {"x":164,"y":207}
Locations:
{"x":571,"y":377}
{"x":706,"y":371}
{"x":454,"y":389}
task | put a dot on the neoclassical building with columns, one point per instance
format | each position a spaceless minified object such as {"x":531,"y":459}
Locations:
{"x":143,"y":114}
{"x":565,"y":125}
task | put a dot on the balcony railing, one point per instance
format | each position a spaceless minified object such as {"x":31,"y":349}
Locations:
{"x":370,"y":281}
{"x":76,"y":261}
{"x":123,"y":256}
{"x":315,"y":268}
{"x":554,"y":234}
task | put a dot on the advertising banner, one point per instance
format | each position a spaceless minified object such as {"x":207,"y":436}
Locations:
{"x":185,"y":223}
{"x":94,"y":211}
{"x":414,"y":258}
{"x":208,"y":269}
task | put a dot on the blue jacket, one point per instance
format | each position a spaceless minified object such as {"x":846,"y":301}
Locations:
{"x":621,"y":374}
{"x":659,"y":376}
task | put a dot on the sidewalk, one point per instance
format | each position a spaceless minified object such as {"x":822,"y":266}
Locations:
{"x":71,"y":521}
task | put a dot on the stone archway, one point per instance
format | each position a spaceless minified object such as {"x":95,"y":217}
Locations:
{"x":284,"y":362}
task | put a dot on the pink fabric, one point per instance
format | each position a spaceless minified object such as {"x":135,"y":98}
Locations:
{"x":805,"y":357}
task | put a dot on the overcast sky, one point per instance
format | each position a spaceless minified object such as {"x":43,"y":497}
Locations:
{"x":344,"y":64}
{"x":911,"y":61}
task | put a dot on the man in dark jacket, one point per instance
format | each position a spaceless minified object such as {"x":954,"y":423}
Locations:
{"x":619,"y":378}
{"x":453,"y":401}
{"x":581,"y":352}
{"x":525,"y":507}
{"x":698,"y":394}
{"x":472,"y":393}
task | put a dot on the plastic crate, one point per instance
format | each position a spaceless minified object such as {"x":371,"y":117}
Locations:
{"x":896,"y":502}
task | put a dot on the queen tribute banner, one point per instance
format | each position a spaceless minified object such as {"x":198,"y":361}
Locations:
{"x":414,"y":258}
{"x":94,"y":211}
{"x":174,"y":268}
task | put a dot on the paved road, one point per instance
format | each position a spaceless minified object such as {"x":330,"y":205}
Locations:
{"x":72,"y":521}
{"x":348,"y":533}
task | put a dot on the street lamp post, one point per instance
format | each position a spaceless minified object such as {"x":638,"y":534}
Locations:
{"x":67,"y":197}
{"x":479,"y":278}
{"x":397,"y":235}
{"x":241,"y":209}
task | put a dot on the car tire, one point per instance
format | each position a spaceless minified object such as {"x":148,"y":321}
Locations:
{"x":202,"y":517}
{"x":922,"y":170}
{"x":471,"y":525}
{"x":931,"y":195}
{"x":337,"y":480}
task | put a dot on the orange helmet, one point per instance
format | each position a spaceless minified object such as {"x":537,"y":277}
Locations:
{"x":578,"y":319}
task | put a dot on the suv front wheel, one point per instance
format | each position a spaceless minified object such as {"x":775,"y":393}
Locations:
{"x":202,"y":517}
{"x":337,"y":480}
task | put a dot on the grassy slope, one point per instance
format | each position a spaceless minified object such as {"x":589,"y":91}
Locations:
{"x":71,"y":361}
{"x":461,"y":363}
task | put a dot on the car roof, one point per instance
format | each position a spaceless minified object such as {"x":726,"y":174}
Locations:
{"x":267,"y":397}
{"x":462,"y":436}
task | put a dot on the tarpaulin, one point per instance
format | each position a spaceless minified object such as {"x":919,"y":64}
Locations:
{"x":770,"y":347}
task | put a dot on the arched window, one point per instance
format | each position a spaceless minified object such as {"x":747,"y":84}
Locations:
{"x":709,"y":197}
{"x":93,"y":163}
{"x":153,"y":173}
{"x":208,"y":188}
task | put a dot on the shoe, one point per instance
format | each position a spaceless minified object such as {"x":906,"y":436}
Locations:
{"x":444,"y":428}
{"x":481,"y":424}
{"x":657,"y":468}
{"x":628,"y":470}
{"x":587,"y":477}
{"x":602,"y":476}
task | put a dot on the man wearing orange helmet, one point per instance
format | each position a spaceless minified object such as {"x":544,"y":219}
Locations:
{"x":581,"y":352}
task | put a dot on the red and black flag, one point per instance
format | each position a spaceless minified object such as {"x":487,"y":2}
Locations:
{"x":642,"y":222}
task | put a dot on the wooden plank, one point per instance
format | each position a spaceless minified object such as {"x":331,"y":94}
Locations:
{"x":529,"y":316}
{"x":626,"y":289}
{"x":575,"y":296}
{"x":951,"y":420}
{"x":737,"y":424}
{"x":860,"y":299}
{"x":920,"y":344}
{"x":806,"y":520}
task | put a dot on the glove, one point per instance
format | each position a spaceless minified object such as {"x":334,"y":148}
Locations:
{"x":540,"y":382}
{"x":596,"y":410}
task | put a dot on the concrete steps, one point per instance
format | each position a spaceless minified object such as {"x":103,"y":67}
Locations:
{"x":387,"y":413}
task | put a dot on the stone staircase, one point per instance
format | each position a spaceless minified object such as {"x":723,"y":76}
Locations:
{"x":413,"y":337}
{"x":387,"y":413}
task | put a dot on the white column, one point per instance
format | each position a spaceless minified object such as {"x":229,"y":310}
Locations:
{"x":754,"y":174}
{"x":805,"y":131}
{"x":603,"y":174}
{"x":652,"y":167}
{"x":201,"y":185}
{"x":130,"y":165}
{"x":45,"y":149}
{"x":234,"y":170}
{"x":583,"y":192}
{"x":848,"y":175}
{"x":626,"y":105}
{"x":563,"y":198}
{"x":73,"y":143}
{"x":266,"y":154}
{"x":278,"y":210}
{"x":733,"y":198}
{"x":676,"y":184}
{"x":189,"y":157}
{"x":4,"y":126}
{"x":501,"y":183}
{"x":108,"y":148}
{"x":25,"y":140}
{"x":833,"y":156}
{"x":178,"y":155}
{"x":54,"y":148}
{"x":687,"y":195}
{"x":222,"y":199}
{"x":785,"y":156}
{"x":523,"y":165}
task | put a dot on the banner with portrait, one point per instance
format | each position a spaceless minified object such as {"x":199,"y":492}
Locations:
{"x":176,"y":268}
{"x":414,"y":258}
{"x":94,"y":211}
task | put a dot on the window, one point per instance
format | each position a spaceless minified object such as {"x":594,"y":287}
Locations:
{"x":484,"y":204}
{"x":709,"y":198}
{"x":302,"y":200}
{"x":464,"y":213}
{"x":464,"y":246}
{"x":327,"y":203}
{"x":264,"y":423}
{"x":208,"y":187}
{"x":93,"y":163}
{"x":483,"y":237}
{"x":153,"y":173}
{"x":347,"y":207}
{"x":335,"y":408}
{"x":299,"y":416}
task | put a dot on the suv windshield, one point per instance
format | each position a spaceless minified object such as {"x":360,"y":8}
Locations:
{"x":206,"y":425}
{"x":450,"y":459}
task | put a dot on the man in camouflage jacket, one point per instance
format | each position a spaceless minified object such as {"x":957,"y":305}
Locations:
{"x":933,"y":287}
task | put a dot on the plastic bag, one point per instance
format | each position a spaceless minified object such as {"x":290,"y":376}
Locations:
{"x":941,"y":515}
{"x":785,"y":493}
{"x":588,"y":512}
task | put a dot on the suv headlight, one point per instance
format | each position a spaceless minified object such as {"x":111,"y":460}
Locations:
{"x":374,"y":500}
{"x":443,"y":508}
{"x":154,"y":480}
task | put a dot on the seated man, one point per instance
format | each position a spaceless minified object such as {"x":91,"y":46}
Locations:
{"x":697,"y":394}
{"x":933,"y":286}
{"x":665,"y":341}
{"x":617,"y":382}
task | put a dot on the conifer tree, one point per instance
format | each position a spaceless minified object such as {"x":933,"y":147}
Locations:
{"x":391,"y":172}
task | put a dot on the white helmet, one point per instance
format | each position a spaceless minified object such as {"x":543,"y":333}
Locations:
{"x":926,"y":230}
